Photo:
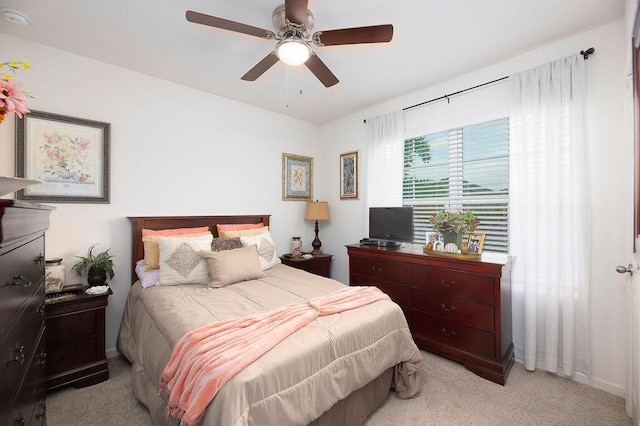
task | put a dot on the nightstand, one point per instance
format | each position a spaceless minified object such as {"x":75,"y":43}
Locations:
{"x":319,"y":265}
{"x":75,"y":338}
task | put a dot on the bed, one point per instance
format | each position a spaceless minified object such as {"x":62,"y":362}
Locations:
{"x":334,"y":371}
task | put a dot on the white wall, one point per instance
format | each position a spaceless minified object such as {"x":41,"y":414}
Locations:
{"x":175,"y":151}
{"x":609,"y":186}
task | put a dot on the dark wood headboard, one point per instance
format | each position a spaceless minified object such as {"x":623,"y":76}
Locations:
{"x":138,"y":223}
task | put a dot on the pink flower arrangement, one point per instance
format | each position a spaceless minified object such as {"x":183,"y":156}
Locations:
{"x":13,"y":98}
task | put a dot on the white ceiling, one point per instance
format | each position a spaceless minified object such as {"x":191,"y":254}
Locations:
{"x":433,"y":39}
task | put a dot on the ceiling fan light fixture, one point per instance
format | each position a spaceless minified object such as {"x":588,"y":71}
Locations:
{"x":293,"y":51}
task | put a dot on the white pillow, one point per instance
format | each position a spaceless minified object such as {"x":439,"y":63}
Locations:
{"x":181,"y":261}
{"x":267,"y":253}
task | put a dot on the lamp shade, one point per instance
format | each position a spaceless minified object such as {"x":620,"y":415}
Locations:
{"x":317,"y":210}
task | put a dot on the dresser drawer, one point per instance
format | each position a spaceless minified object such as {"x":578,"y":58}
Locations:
{"x":18,"y":345}
{"x":70,"y":327}
{"x":66,"y":356}
{"x":379,"y":270}
{"x":26,"y":262}
{"x":397,"y":293}
{"x":452,"y":334}
{"x":450,"y":282}
{"x":462,"y":311}
{"x":28,"y":365}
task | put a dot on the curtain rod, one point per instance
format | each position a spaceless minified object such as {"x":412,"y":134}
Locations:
{"x":585,"y":54}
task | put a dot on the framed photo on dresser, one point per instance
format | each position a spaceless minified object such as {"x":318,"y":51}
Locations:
{"x":69,"y":155}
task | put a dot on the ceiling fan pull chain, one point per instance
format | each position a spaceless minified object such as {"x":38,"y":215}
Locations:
{"x":287,"y":89}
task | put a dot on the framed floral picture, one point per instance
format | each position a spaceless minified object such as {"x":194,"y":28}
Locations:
{"x":69,"y":155}
{"x":349,"y":165}
{"x":297,"y":178}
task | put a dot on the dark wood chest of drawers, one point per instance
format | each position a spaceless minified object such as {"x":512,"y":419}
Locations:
{"x":75,"y":340}
{"x":457,"y":308}
{"x":22,"y":310}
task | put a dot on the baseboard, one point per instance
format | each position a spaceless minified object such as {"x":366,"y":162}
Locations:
{"x":582,"y":378}
{"x":112,"y":353}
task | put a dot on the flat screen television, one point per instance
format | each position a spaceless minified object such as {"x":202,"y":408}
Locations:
{"x":391,"y":224}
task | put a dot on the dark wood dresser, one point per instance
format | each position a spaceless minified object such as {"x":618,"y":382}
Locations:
{"x":75,"y":339}
{"x":22,"y":310}
{"x":458,"y":308}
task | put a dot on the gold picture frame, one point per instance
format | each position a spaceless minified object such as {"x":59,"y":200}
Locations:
{"x":349,"y":175}
{"x":297,"y":177}
{"x":475,"y":242}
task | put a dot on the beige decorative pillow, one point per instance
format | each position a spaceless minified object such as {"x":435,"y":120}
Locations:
{"x":152,"y":252}
{"x":242,"y":232}
{"x":232,"y":266}
{"x":267,"y":253}
{"x":181,"y":261}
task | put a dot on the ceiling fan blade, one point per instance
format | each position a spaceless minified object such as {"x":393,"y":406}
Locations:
{"x":321,"y":71}
{"x":373,"y":34}
{"x":261,"y":67}
{"x":296,"y":11}
{"x":225,"y":24}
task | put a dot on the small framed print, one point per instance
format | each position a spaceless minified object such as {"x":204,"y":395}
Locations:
{"x":68,"y":155}
{"x":297,"y":178}
{"x":476,"y":241}
{"x":349,"y":165}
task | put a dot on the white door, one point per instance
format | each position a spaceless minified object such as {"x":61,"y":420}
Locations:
{"x":633,"y":401}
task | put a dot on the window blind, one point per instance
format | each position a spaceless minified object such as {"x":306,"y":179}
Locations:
{"x":466,"y":169}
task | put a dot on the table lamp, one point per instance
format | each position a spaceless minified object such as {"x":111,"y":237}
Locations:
{"x":317,"y":210}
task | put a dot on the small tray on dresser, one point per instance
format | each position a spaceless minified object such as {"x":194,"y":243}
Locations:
{"x":476,"y":256}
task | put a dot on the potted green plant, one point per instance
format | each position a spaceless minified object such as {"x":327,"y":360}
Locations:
{"x":97,"y":266}
{"x":453,"y":225}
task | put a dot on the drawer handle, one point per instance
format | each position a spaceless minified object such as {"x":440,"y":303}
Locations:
{"x":40,"y":310}
{"x":43,"y":410}
{"x":21,"y":281}
{"x":444,"y":283}
{"x":450,"y":334}
{"x":20,"y":421}
{"x":59,"y":359}
{"x":18,"y":354}
{"x":58,"y":331}
{"x":374,"y":269}
{"x":451,"y":309}
{"x":39,"y":259}
{"x":42,"y":359}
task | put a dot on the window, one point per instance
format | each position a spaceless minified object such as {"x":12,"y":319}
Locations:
{"x":461,"y":169}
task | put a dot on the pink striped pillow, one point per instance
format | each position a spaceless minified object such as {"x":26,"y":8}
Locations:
{"x":238,"y":226}
{"x":177,"y":231}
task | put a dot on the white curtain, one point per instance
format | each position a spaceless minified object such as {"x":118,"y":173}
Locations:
{"x":549,"y":217}
{"x":384,"y":161}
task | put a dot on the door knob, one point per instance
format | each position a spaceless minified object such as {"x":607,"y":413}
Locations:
{"x":624,"y":269}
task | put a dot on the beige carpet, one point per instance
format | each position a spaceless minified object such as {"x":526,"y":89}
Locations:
{"x":451,"y":396}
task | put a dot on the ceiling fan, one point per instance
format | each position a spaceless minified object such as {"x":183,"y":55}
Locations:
{"x":293,"y":23}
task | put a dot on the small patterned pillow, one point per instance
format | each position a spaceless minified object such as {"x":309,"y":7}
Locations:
{"x":181,"y":261}
{"x":267,"y":253}
{"x":222,"y":244}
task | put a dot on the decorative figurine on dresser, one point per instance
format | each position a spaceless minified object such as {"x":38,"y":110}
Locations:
{"x":22,"y":312}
